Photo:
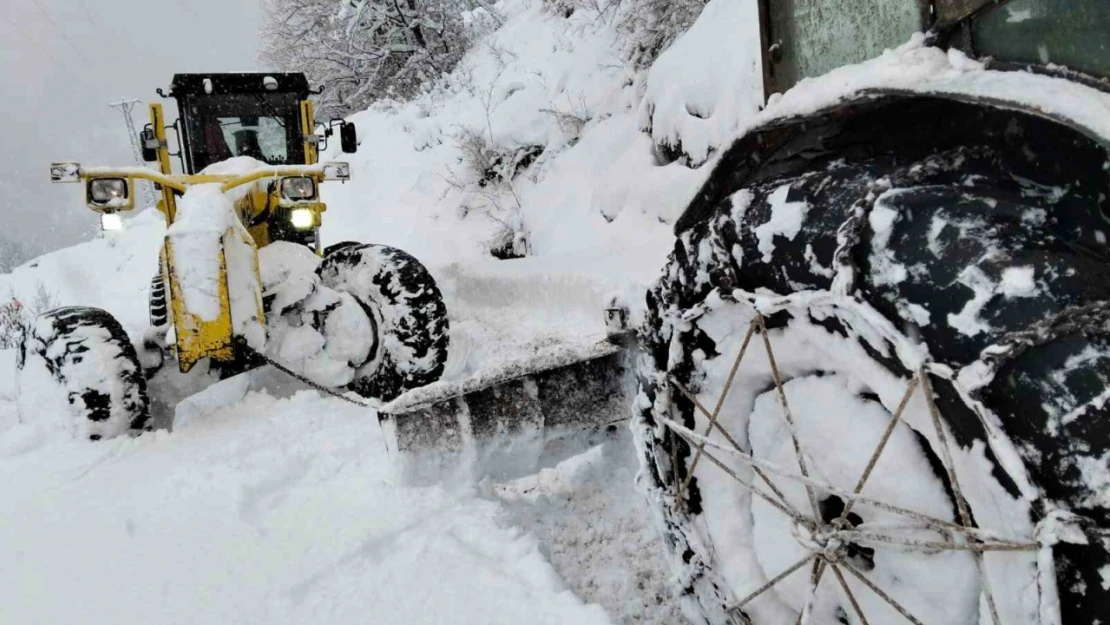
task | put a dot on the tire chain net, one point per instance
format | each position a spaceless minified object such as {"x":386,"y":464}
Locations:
{"x":839,"y":532}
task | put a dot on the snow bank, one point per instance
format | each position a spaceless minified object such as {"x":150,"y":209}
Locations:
{"x":273,"y":510}
{"x":597,"y":531}
{"x":112,"y":271}
{"x":541,"y":80}
{"x":708,"y":83}
{"x":596,"y":206}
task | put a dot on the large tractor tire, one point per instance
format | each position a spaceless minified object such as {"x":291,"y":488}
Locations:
{"x":900,"y":317}
{"x":407,"y":310}
{"x":89,"y":356}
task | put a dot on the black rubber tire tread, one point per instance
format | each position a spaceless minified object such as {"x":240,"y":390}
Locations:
{"x":980,"y":168}
{"x":411,"y":309}
{"x":66,"y":338}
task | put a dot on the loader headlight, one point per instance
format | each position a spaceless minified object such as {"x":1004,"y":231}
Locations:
{"x":303,"y":218}
{"x":111,"y":222}
{"x":108,"y":191}
{"x":298,"y":188}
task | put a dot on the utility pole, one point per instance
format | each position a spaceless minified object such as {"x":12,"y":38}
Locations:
{"x":125,"y":106}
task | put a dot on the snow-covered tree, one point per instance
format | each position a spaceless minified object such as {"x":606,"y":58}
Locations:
{"x":364,"y":50}
{"x":651,"y":26}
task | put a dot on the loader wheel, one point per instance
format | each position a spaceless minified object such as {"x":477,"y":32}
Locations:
{"x":901,"y":369}
{"x":89,"y":355}
{"x":407,"y":309}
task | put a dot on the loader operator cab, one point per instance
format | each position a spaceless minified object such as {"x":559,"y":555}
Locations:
{"x":264,"y":116}
{"x":229,"y":115}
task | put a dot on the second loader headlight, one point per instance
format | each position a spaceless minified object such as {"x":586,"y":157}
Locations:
{"x":111,"y":222}
{"x":298,"y":188}
{"x":108,"y":191}
{"x":302,"y":218}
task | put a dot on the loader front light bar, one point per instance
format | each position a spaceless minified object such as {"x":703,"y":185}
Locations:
{"x":298,"y":188}
{"x":303,"y":218}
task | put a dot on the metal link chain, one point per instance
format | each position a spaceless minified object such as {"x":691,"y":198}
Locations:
{"x":319,"y":387}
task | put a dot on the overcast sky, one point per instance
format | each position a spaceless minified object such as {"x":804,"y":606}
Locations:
{"x":62,"y":61}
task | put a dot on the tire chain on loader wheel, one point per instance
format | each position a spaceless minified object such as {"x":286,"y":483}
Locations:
{"x":159,"y":309}
{"x":282,"y":367}
{"x":406,"y":307}
{"x":917,"y":219}
{"x":90,"y":355}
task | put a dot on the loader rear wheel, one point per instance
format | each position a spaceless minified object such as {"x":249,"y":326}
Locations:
{"x":88,"y":353}
{"x":405,"y":305}
{"x":966,"y":279}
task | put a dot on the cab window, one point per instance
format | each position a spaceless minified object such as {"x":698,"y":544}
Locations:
{"x":814,"y":37}
{"x":264,"y":138}
{"x":1070,"y":33}
{"x":262,"y":126}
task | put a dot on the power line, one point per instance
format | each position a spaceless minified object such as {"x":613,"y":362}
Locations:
{"x":125,"y":106}
{"x":188,"y":9}
{"x":46,"y":51}
{"x":61,"y":33}
{"x":93,"y":21}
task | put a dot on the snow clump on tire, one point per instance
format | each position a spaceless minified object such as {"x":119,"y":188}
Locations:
{"x":407,"y":310}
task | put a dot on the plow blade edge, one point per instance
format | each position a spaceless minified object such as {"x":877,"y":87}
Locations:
{"x":513,"y":421}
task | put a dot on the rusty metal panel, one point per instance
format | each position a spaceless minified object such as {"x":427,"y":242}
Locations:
{"x":1067,"y":33}
{"x":952,"y":11}
{"x":812,"y":37}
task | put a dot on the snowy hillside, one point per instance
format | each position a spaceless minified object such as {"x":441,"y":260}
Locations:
{"x":270,"y":503}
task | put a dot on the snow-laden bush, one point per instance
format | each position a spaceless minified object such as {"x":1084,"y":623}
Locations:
{"x":595,"y":8}
{"x":15,"y":316}
{"x":13,"y":320}
{"x":651,"y":26}
{"x":487,"y":180}
{"x":365,"y":50}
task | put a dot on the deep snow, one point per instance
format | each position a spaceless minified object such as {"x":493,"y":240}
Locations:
{"x":267,"y":506}
{"x":270,"y":506}
{"x":269,"y":510}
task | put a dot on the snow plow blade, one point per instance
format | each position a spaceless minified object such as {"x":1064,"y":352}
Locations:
{"x":512,"y":421}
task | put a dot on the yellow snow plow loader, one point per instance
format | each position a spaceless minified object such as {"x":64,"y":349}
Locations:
{"x":243,"y":277}
{"x":265,"y":118}
{"x":244,"y":281}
